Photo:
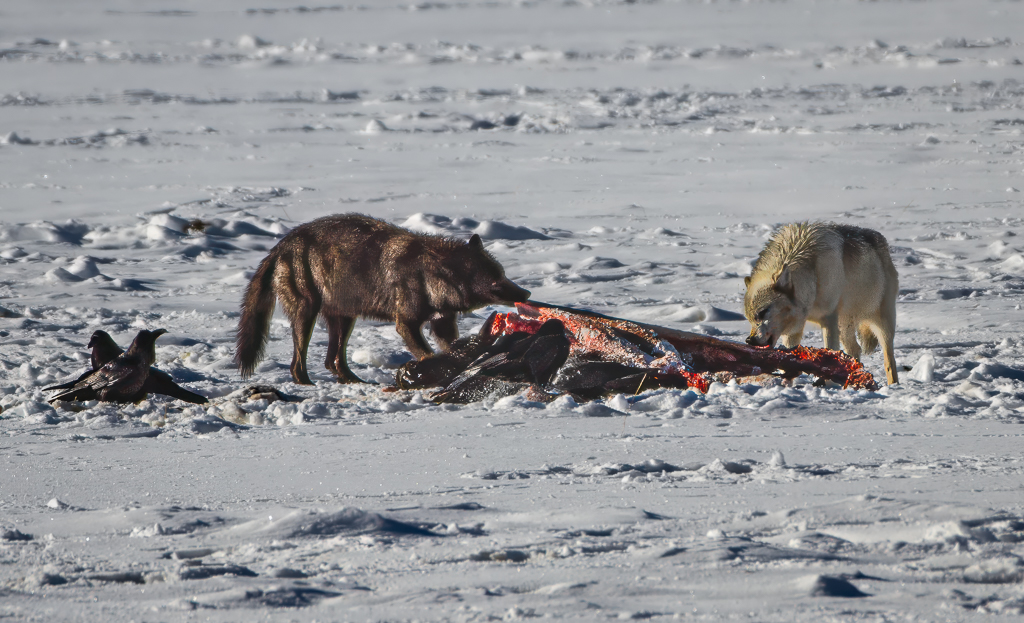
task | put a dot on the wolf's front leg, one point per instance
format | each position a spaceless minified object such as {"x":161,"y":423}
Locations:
{"x":830,"y":331}
{"x":791,"y":340}
{"x":445,"y":330}
{"x":410,"y":331}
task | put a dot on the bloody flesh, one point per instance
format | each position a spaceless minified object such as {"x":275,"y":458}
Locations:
{"x":690,"y":356}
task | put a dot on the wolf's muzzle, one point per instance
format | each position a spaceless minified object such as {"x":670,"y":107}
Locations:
{"x":753,"y":341}
{"x":511,"y":293}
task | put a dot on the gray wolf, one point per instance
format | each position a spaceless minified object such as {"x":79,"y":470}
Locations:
{"x":837,"y":276}
{"x":349,"y":266}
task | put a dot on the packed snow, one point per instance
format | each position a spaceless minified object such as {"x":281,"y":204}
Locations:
{"x":629,"y":158}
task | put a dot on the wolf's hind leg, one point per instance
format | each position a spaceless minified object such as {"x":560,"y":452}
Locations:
{"x":297,"y":292}
{"x":885,"y":328}
{"x":339,"y":328}
{"x":891,"y":376}
{"x":302,"y":331}
{"x":445,"y":330}
{"x":885,"y":331}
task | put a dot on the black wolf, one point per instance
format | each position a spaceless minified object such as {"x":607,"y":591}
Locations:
{"x":348,"y":266}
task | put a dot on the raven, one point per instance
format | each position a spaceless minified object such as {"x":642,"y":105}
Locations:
{"x":123,"y":376}
{"x":104,"y":349}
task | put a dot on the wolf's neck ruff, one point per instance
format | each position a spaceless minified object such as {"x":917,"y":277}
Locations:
{"x":792,"y":246}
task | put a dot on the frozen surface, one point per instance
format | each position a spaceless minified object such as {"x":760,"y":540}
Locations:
{"x":626,"y":157}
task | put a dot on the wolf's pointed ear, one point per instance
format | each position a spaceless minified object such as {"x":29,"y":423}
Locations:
{"x":784,"y":283}
{"x":746,"y":281}
{"x":476,"y":243}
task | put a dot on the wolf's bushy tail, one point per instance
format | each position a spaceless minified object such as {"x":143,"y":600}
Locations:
{"x":254,"y":324}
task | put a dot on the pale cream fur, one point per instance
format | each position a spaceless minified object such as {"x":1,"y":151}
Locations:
{"x":837,"y":276}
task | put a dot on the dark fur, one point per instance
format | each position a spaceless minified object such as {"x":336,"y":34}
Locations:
{"x":856,"y":239}
{"x":350,"y":266}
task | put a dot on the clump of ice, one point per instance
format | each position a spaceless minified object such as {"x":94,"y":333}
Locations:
{"x":996,"y":250}
{"x":829,"y":586}
{"x":464,"y":227}
{"x":387,"y":360}
{"x":37,"y":413}
{"x":60,"y":275}
{"x":619,"y":402}
{"x":375,"y":126}
{"x":1003,"y":570}
{"x":955,"y":531}
{"x":287,"y":413}
{"x":597,"y":409}
{"x":924,"y":369}
{"x":496,"y":230}
{"x":320,"y":523}
{"x":70,"y":232}
{"x":668,"y":402}
{"x":1013,"y":264}
{"x":84,"y":267}
{"x":12,"y":138}
{"x":251,"y":42}
{"x":992,"y":369}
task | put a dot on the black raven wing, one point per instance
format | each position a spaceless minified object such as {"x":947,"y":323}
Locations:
{"x":117,"y":381}
{"x":545,"y":356}
{"x":70,"y":384}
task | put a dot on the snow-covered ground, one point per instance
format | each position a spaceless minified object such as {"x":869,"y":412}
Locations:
{"x":626,"y":157}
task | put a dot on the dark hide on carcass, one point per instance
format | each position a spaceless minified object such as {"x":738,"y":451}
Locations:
{"x":546,"y":351}
{"x":490,"y":364}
